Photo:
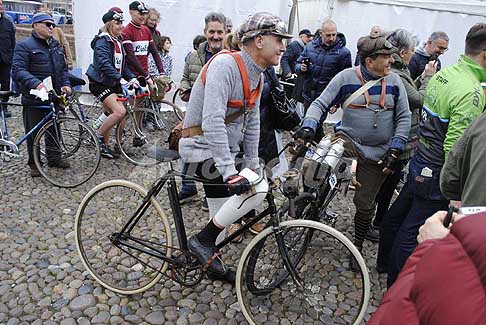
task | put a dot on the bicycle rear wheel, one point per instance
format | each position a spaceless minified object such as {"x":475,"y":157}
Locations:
{"x":66,"y":152}
{"x":331,"y":293}
{"x":115,"y":265}
{"x":176,"y":109}
{"x":137,"y":139}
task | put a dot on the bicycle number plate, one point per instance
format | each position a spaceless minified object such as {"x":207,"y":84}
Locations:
{"x":332,"y":181}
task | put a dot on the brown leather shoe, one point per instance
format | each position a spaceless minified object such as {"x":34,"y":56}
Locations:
{"x":257,"y":228}
{"x":34,"y":172}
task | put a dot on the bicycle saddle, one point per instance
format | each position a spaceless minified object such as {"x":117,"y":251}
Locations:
{"x":162,"y":154}
{"x":75,"y":81}
{"x":6,"y":94}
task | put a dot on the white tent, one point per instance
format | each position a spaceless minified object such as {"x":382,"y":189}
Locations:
{"x":181,"y":20}
{"x":355,"y":18}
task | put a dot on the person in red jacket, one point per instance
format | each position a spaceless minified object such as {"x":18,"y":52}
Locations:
{"x":444,"y":280}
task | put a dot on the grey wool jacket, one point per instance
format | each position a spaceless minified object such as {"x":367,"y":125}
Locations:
{"x":208,"y":107}
{"x":371,"y":129}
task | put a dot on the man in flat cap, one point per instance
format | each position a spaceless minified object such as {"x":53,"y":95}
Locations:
{"x":222,"y":114}
{"x":375,"y":123}
{"x":35,"y":58}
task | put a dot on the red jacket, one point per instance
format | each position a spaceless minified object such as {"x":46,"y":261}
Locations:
{"x":443,"y":282}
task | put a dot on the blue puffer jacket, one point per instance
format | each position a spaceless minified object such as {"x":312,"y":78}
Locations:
{"x":7,"y":39}
{"x":326,"y":62}
{"x":103,"y":70}
{"x":34,"y":60}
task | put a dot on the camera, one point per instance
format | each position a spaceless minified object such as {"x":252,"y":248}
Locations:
{"x":306,"y":61}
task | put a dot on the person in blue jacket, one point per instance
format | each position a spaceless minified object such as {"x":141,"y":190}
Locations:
{"x":321,"y":60}
{"x":35,"y":58}
{"x":108,"y":73}
{"x":7,"y":39}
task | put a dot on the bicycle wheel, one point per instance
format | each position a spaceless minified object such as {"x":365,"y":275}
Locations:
{"x":137,"y":137}
{"x":66,"y":152}
{"x":330,"y":294}
{"x":101,"y":215}
{"x":176,"y":109}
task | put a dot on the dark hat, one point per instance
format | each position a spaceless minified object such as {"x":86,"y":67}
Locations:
{"x":306,"y":32}
{"x":368,"y":46}
{"x":261,"y":23}
{"x":42,"y":16}
{"x":114,"y":13}
{"x":139,"y":6}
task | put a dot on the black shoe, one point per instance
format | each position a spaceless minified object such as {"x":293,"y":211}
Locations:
{"x":106,"y":152}
{"x":186,"y":196}
{"x":373,"y":234}
{"x":207,"y":256}
{"x":34,"y":172}
{"x":59,"y":163}
{"x":138,"y":142}
{"x":229,"y":276}
{"x":381,"y":269}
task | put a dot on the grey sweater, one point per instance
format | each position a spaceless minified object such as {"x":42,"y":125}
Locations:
{"x":358,"y":123}
{"x":208,"y":107}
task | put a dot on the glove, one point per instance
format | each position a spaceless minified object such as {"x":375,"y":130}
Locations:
{"x":238,"y":185}
{"x":390,"y":160}
{"x":305,"y":133}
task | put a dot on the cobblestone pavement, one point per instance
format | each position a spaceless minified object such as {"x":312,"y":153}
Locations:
{"x":42,"y":280}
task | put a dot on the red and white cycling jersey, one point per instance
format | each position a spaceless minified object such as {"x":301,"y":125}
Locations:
{"x":139,"y":37}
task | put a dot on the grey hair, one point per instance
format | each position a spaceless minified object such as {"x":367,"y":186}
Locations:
{"x":214,"y":16}
{"x":328,"y":22}
{"x":402,"y":39}
{"x":438,"y":35}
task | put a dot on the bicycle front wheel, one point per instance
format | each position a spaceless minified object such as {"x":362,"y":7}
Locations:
{"x":66,"y":152}
{"x":139,"y":133}
{"x":327,"y":291}
{"x":125,"y":264}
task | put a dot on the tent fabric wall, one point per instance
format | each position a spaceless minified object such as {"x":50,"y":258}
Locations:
{"x":356,"y":17}
{"x":181,"y":20}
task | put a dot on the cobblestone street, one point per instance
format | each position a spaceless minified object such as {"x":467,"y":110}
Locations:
{"x":42,"y":279}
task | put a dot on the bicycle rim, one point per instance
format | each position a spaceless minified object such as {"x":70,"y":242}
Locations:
{"x":66,"y":141}
{"x":331,"y":293}
{"x":101,"y":215}
{"x":137,"y":136}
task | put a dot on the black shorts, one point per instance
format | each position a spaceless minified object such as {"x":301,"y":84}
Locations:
{"x":102,"y":91}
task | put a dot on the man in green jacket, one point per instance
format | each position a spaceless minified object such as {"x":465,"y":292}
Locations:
{"x":214,"y":30}
{"x":453,"y":99}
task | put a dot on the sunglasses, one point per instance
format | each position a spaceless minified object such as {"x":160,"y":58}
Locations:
{"x":49,"y":24}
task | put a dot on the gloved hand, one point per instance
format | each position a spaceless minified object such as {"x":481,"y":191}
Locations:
{"x":238,"y":185}
{"x":390,"y":161}
{"x":305,"y":133}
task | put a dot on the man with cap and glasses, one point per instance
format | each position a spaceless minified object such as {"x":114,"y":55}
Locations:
{"x":209,"y":145}
{"x":375,"y":123}
{"x":289,"y":59}
{"x":35,"y":58}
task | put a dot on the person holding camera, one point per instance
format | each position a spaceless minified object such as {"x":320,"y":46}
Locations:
{"x":375,"y":123}
{"x":321,"y":60}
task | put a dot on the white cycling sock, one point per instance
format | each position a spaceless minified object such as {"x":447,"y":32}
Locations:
{"x":214,"y":204}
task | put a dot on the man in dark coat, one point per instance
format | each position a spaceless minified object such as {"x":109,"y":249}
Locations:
{"x":35,"y":58}
{"x":7,"y":39}
{"x":437,"y":44}
{"x":289,"y":59}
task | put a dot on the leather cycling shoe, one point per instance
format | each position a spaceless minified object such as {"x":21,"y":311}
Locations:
{"x":229,"y":276}
{"x":209,"y":257}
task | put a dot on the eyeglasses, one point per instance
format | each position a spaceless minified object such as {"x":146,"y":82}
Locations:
{"x":444,"y":49}
{"x":49,"y":24}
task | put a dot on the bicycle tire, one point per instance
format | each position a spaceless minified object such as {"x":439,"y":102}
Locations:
{"x":176,"y":109}
{"x":127,"y":130}
{"x":262,"y":311}
{"x":175,"y":96}
{"x":68,"y":140}
{"x":119,"y":262}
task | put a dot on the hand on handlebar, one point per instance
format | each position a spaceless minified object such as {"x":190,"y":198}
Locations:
{"x":238,"y":184}
{"x":305,"y":134}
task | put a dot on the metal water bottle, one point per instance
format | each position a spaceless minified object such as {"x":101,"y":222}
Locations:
{"x":334,"y":154}
{"x":322,"y":149}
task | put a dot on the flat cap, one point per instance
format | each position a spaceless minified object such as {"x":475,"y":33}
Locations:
{"x":262,"y":23}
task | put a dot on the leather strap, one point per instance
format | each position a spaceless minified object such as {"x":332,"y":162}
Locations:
{"x":196,"y":130}
{"x":364,"y":90}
